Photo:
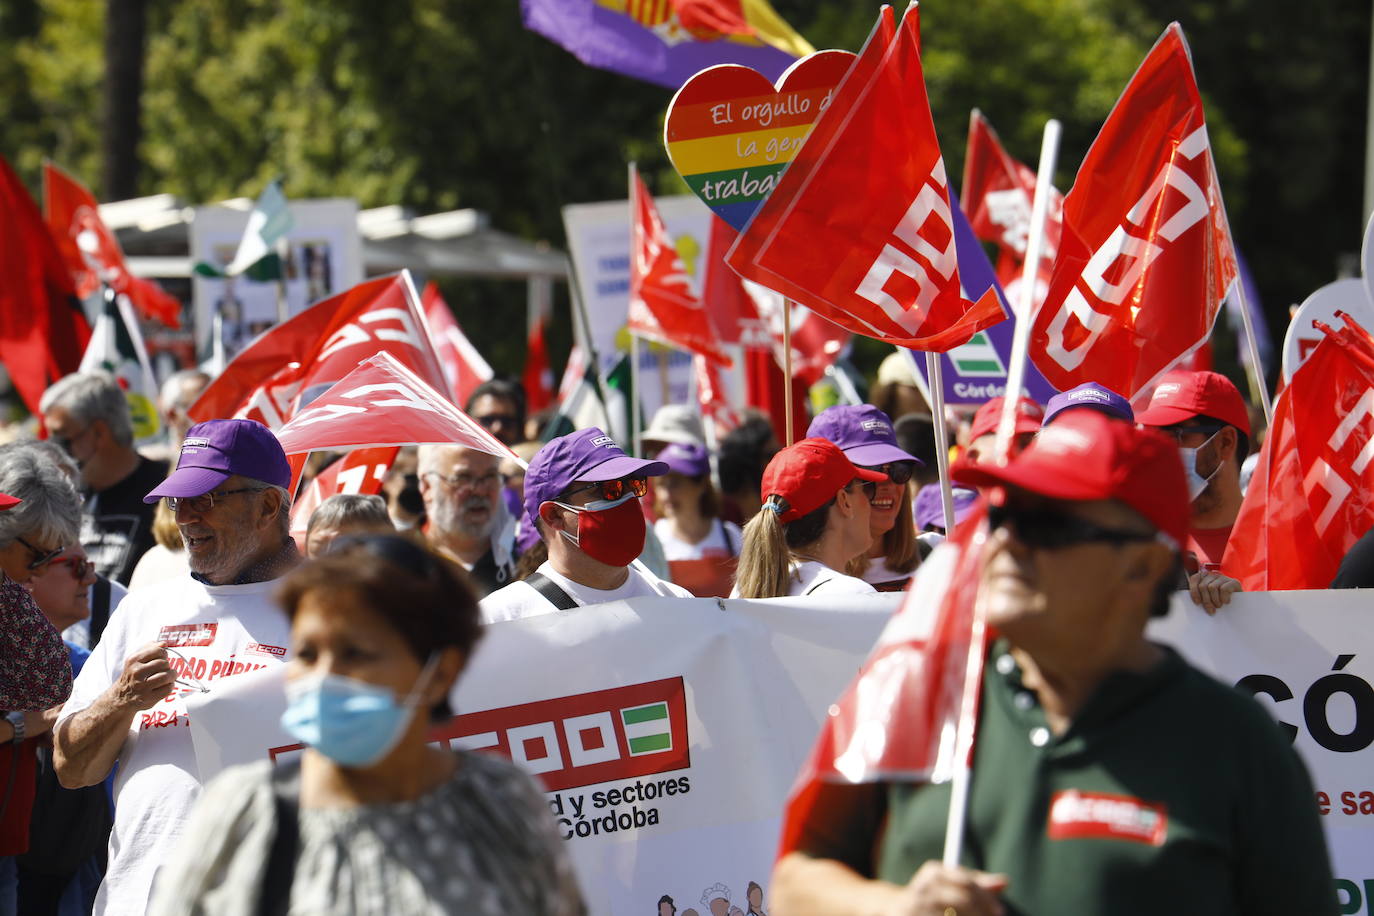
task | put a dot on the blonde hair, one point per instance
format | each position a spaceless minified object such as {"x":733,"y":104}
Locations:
{"x":765,"y":556}
{"x":900,"y":547}
{"x":165,"y":530}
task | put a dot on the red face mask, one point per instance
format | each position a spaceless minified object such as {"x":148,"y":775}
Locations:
{"x":614,"y":536}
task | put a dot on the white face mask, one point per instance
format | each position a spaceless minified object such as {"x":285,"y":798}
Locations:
{"x":1196,"y":482}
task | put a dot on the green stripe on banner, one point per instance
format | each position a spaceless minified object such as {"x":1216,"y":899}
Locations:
{"x":735,"y":185}
{"x":979,"y":365}
{"x":650,"y":743}
{"x":644,"y":713}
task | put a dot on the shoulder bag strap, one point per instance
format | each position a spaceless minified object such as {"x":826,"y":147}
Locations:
{"x":551,"y":592}
{"x":100,"y":608}
{"x":274,"y":897}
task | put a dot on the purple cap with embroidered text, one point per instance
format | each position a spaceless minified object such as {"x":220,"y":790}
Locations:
{"x":216,"y":450}
{"x":863,"y":432}
{"x":930,"y":510}
{"x":1092,"y":396}
{"x":586,"y":455}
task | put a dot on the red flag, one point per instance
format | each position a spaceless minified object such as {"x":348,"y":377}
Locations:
{"x":895,"y":720}
{"x":464,"y":367}
{"x":1146,"y":256}
{"x":382,"y":402}
{"x":1313,"y":488}
{"x":43,"y":331}
{"x":91,"y":251}
{"x":996,"y":196}
{"x":859,"y":228}
{"x":662,"y":305}
{"x":360,"y":471}
{"x":284,"y":369}
{"x":714,"y":397}
{"x":538,"y":377}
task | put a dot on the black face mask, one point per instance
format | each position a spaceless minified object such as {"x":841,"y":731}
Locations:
{"x":409,"y":498}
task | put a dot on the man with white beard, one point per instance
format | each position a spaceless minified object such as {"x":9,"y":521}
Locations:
{"x":467,"y":519}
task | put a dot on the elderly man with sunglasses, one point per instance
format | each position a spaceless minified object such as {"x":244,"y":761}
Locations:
{"x":465,"y":518}
{"x":582,"y":493}
{"x":169,"y":640}
{"x":1108,"y":775}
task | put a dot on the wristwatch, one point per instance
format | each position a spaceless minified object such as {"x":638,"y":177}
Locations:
{"x":16,"y":720}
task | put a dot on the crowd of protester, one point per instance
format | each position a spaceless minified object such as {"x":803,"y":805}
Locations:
{"x":113,"y":558}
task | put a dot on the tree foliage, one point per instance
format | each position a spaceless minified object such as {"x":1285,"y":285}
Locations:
{"x":438,"y":104}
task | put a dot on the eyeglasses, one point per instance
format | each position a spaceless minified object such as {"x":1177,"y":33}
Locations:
{"x":899,"y":472}
{"x":187,"y":679}
{"x":870,"y":487}
{"x":462,"y":481}
{"x":1046,"y":529}
{"x":65,"y":442}
{"x":42,"y":558}
{"x":206,"y":501}
{"x":498,"y":419}
{"x":613,"y":490}
{"x":81,"y":566}
{"x":1178,"y":432}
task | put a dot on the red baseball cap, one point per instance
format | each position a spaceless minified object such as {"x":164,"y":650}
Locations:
{"x":1086,"y":455}
{"x":808,"y":474}
{"x":8,"y":502}
{"x":1185,"y":394}
{"x":1028,"y":417}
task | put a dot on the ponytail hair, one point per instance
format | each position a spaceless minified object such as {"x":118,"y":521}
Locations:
{"x":765,"y":556}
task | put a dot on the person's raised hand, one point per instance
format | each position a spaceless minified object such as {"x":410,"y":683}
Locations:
{"x":1211,"y":589}
{"x":938,"y":890}
{"x":147,"y":678}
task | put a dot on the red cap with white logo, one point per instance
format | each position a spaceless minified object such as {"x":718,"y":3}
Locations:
{"x":1085,"y":455}
{"x":1185,"y":394}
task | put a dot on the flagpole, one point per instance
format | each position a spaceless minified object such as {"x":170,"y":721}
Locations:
{"x":1252,"y":344}
{"x":787,"y":367}
{"x":1030,"y":274}
{"x":634,"y":394}
{"x":964,"y":731}
{"x":936,"y":373}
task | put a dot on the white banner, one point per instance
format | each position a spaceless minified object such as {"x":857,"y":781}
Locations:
{"x":668,"y":731}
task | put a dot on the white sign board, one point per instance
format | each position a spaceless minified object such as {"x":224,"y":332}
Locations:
{"x":1350,"y":295}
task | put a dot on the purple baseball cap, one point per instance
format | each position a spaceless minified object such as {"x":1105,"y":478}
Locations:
{"x":1092,"y":396}
{"x":687,"y":460}
{"x":216,"y":450}
{"x":863,"y":432}
{"x":586,"y":455}
{"x":930,"y":512}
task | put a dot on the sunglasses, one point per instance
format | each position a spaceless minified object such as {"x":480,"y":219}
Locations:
{"x":41,"y":558}
{"x":870,"y":488}
{"x":899,"y":472}
{"x":498,"y":419}
{"x":80,"y":566}
{"x":1046,"y":529}
{"x":613,"y":490}
{"x":206,"y":501}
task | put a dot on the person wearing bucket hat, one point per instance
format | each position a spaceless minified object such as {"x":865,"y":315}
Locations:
{"x":1102,"y":759}
{"x":698,"y":544}
{"x":232,"y":507}
{"x":582,"y":494}
{"x":866,"y":436}
{"x":814,"y":520}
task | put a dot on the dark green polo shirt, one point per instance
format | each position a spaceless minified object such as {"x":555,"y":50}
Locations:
{"x":1170,"y":793}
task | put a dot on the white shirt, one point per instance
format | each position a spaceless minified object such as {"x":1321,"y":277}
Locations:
{"x":519,"y":599}
{"x":879,"y":573}
{"x":811,"y":577}
{"x":713,"y":545}
{"x":222,"y":631}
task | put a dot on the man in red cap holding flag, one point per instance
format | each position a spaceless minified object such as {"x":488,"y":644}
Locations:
{"x":1108,"y":775}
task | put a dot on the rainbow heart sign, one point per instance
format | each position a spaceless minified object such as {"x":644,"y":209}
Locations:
{"x":730,"y":133}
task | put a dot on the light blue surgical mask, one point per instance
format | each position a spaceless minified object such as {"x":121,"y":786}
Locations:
{"x":352,"y":722}
{"x":1196,"y":482}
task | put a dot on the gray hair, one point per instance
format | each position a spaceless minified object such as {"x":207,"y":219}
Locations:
{"x":284,"y":513}
{"x":350,"y":509}
{"x":51,"y":509}
{"x":91,"y":396}
{"x":53,"y":452}
{"x":171,"y":388}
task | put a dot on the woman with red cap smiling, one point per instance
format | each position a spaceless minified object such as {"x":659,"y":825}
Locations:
{"x":814,"y":520}
{"x":865,"y":435}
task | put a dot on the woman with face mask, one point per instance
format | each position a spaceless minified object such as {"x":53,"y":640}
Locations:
{"x":865,"y":435}
{"x":814,"y":521}
{"x":374,"y":819}
{"x":699,"y":545}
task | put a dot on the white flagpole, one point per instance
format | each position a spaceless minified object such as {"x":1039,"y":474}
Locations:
{"x":1256,"y":370}
{"x":634,"y":395}
{"x":964,"y":733}
{"x":787,"y":367}
{"x":936,"y":373}
{"x":1044,"y":180}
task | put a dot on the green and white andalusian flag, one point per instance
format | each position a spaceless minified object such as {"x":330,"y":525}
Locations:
{"x":116,"y":347}
{"x":257,"y":256}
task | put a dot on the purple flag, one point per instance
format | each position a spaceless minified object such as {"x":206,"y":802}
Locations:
{"x":647,"y":40}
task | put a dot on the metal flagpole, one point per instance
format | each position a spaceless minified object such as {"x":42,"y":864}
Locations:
{"x":1030,"y":271}
{"x":936,"y":373}
{"x":634,"y":394}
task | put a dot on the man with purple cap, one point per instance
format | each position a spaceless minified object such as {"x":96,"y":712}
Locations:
{"x":583,"y":492}
{"x":178,"y":638}
{"x":1089,"y":396}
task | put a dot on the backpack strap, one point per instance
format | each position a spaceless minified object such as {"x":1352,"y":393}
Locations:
{"x":274,"y":897}
{"x":551,"y":592}
{"x":100,"y":608}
